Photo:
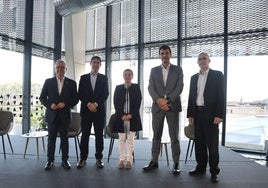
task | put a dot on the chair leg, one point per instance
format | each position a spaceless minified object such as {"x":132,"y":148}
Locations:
{"x":3,"y":142}
{"x":192,"y":149}
{"x":110,"y":148}
{"x":75,"y":142}
{"x":10,"y":144}
{"x":133,"y":157}
{"x":187,"y":151}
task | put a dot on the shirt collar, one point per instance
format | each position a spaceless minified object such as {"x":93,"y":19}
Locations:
{"x":203,"y":73}
{"x":164,"y":67}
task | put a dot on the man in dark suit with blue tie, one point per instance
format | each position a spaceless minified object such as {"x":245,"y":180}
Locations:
{"x":92,"y":92}
{"x":165,"y":87}
{"x":58,"y":95}
{"x":205,"y":112}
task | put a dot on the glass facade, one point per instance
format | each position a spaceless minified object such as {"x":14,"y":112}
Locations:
{"x":235,"y":39}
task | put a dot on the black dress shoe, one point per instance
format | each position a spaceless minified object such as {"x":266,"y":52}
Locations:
{"x":81,"y":163}
{"x":197,"y":172}
{"x":152,"y":165}
{"x":66,"y":165}
{"x":49,"y":165}
{"x":176,"y":168}
{"x":99,"y":163}
{"x":215,"y":178}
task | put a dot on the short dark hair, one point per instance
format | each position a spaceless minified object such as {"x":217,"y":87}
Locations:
{"x":165,"y":47}
{"x":95,"y":57}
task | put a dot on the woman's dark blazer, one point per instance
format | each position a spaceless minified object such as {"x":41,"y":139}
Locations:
{"x":135,"y":103}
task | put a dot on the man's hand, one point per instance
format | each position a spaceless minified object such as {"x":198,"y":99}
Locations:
{"x":217,"y":120}
{"x":54,"y":106}
{"x":163,"y":104}
{"x":61,"y":105}
{"x":92,"y":107}
{"x":191,"y":120}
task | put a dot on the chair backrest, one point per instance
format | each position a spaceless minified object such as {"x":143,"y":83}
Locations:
{"x":189,"y":131}
{"x":6,"y":119}
{"x":109,"y":128}
{"x":75,"y":125}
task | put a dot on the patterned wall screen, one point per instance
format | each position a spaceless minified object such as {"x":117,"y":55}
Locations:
{"x":100,"y":53}
{"x":248,"y":26}
{"x":12,"y":24}
{"x":213,"y":46}
{"x":125,"y":54}
{"x":202,"y":17}
{"x":96,"y":28}
{"x":152,"y":52}
{"x":160,"y":20}
{"x":125,"y":23}
{"x":247,"y":15}
{"x":43,"y":28}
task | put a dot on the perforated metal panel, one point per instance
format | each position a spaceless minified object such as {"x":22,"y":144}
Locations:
{"x":213,"y":46}
{"x":12,"y":24}
{"x":124,"y":54}
{"x":160,"y":20}
{"x":152,"y":52}
{"x":43,"y":23}
{"x":247,"y":15}
{"x":96,"y":29}
{"x":89,"y":55}
{"x":125,"y":23}
{"x":248,"y":44}
{"x":202,"y":17}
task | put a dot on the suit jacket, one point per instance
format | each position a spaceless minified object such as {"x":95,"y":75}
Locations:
{"x":135,"y":103}
{"x":50,"y":94}
{"x":213,"y":95}
{"x":99,"y":95}
{"x":173,"y":89}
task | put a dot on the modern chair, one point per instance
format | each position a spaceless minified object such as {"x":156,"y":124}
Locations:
{"x":75,"y":130}
{"x":189,"y":133}
{"x":6,"y":125}
{"x":113,"y":136}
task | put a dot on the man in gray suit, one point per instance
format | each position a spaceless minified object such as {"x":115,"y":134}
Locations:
{"x":165,"y":87}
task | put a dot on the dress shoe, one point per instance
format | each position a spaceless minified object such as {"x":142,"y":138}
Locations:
{"x":152,"y":165}
{"x":197,"y":172}
{"x":49,"y":165}
{"x":99,"y":163}
{"x":66,"y":165}
{"x":176,"y":168}
{"x":215,"y":178}
{"x":81,"y":163}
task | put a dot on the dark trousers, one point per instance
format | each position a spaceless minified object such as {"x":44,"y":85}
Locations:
{"x":86,"y":123}
{"x":53,"y":129}
{"x":206,"y":143}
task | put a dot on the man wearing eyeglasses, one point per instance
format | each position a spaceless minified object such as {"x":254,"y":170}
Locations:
{"x":205,"y":112}
{"x":58,"y":95}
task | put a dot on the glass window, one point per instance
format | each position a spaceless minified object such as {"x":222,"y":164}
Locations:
{"x":247,"y":102}
{"x":11,"y":86}
{"x":41,"y":70}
